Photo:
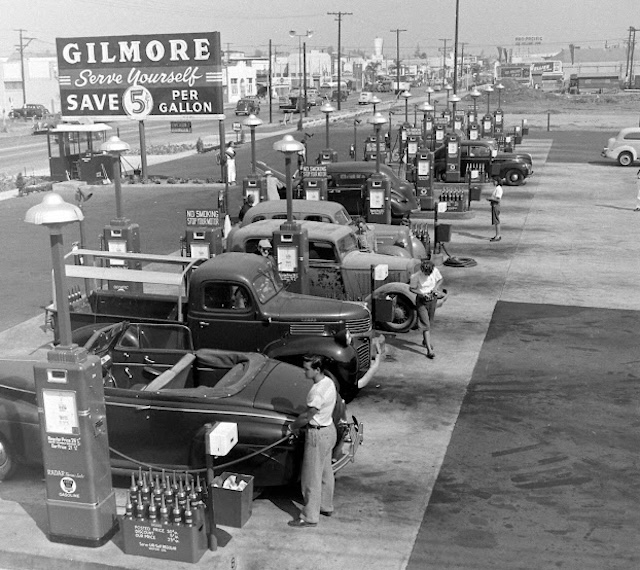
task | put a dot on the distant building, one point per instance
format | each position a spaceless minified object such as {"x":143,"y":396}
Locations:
{"x":40,"y":81}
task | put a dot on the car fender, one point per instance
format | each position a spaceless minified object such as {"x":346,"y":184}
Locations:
{"x":624,"y":148}
{"x":293,"y":348}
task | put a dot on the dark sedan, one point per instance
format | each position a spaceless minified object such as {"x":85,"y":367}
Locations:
{"x":159,"y":396}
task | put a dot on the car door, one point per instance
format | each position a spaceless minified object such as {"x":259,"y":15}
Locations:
{"x":325,"y":271}
{"x":145,"y":350}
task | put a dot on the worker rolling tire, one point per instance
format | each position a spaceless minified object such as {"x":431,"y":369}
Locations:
{"x":405,"y":315}
{"x":625,"y":159}
{"x":7,"y":460}
{"x":514,"y":178}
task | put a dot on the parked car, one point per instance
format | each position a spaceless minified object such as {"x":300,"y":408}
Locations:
{"x":390,"y":239}
{"x":343,"y":94}
{"x":347,"y":183}
{"x":247,"y":106}
{"x":624,"y":147}
{"x":365,"y":98}
{"x":313,"y":97}
{"x":29,"y":111}
{"x":159,"y":395}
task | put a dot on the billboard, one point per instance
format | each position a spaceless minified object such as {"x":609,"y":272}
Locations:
{"x":164,"y":76}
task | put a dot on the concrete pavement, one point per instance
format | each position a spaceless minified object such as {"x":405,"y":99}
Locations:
{"x":568,"y":239}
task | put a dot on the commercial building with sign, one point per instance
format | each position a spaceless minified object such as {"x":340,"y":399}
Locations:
{"x":164,"y":76}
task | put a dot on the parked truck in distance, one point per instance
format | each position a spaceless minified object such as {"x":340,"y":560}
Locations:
{"x":234,"y":301}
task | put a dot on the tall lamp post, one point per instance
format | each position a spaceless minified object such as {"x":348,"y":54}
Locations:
{"x":448,"y":89}
{"x":474,"y":95}
{"x":356,"y":122}
{"x":288,"y":146}
{"x":425,"y":109}
{"x":375,"y":101}
{"x":377,"y":121}
{"x":430,"y":91}
{"x":302,"y":76}
{"x":252,"y":122}
{"x":307,"y":34}
{"x":454,"y":101}
{"x":499,"y":88}
{"x":54,"y":213}
{"x":406,"y":96}
{"x":115,"y":147}
{"x":327,"y":108}
{"x":488,"y":89}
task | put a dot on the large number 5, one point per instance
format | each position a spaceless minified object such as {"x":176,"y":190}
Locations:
{"x":137,"y":98}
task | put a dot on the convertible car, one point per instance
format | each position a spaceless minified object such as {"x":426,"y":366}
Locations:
{"x":159,"y":395}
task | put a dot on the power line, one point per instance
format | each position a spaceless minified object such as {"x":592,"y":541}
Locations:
{"x":21,"y":47}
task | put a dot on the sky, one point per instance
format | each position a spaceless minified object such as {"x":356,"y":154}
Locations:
{"x":248,"y":25}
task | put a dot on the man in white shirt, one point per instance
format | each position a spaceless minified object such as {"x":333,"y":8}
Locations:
{"x":495,"y":199}
{"x":317,"y":479}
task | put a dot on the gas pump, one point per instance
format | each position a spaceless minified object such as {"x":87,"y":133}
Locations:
{"x":453,"y":158}
{"x":525,"y":127}
{"x":256,"y":186}
{"x":370,"y":148}
{"x":413,"y":141}
{"x":378,"y":199}
{"x":428,"y":131}
{"x":291,"y":246}
{"x":424,"y":179}
{"x":517,"y":135}
{"x":204,"y":233}
{"x":122,"y":236}
{"x":498,"y":121}
{"x":446,"y":115}
{"x":80,"y":500}
{"x":314,"y":183}
{"x":487,"y":126}
{"x":327,"y":156}
{"x":440,"y":131}
{"x":458,"y":120}
{"x":473,"y":132}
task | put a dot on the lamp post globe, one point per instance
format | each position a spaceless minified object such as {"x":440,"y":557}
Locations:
{"x":115,"y":147}
{"x":252,"y":122}
{"x":288,"y":146}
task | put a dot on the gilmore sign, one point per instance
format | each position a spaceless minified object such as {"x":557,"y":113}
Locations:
{"x":165,"y":76}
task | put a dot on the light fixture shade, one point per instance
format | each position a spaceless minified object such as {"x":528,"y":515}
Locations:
{"x":288,"y":144}
{"x":500,"y":86}
{"x":375,"y":100}
{"x":430,"y":90}
{"x":53,"y":210}
{"x":454,"y":99}
{"x":292,"y":33}
{"x":424,"y":107}
{"x":252,"y":121}
{"x":475,"y":93}
{"x":488,"y":89}
{"x":327,"y":107}
{"x":377,"y":120}
{"x":405,"y":94}
{"x":114,"y":144}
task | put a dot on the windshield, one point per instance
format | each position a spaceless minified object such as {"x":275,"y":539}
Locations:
{"x":267,"y":285}
{"x":347,"y":243}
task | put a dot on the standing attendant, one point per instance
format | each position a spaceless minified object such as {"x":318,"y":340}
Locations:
{"x":317,"y":479}
{"x":637,"y":208}
{"x":231,"y":164}
{"x":495,"y":199}
{"x":246,"y":206}
{"x":425,"y":284}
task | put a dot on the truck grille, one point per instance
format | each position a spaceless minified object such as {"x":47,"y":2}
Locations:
{"x":360,"y":326}
{"x":317,"y":329}
{"x":363,"y":354}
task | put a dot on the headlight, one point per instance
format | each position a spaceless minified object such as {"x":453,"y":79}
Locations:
{"x":344,"y":337}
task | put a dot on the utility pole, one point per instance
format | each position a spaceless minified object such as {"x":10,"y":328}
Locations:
{"x":21,"y":49}
{"x":444,"y":60}
{"x":455,"y":50}
{"x":339,"y":20}
{"x":269,"y":84}
{"x":397,"y":32}
{"x":632,"y":48}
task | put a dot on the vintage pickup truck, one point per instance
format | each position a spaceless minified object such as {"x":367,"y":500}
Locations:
{"x":234,"y":301}
{"x":388,"y":237}
{"x":339,"y":270}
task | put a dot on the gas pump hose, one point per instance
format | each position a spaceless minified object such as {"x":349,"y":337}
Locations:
{"x":457,"y":261}
{"x":204,"y":469}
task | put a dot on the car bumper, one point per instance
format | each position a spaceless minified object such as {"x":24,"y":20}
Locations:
{"x":378,"y":347}
{"x":606,"y":153}
{"x":346,"y":450}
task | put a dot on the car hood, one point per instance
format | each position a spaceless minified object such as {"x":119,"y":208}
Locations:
{"x":364,"y":260}
{"x":522,"y":156}
{"x":284,"y":390}
{"x":309,"y":308}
